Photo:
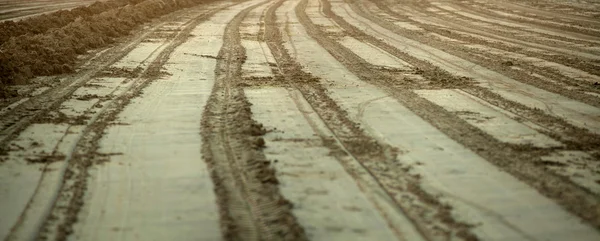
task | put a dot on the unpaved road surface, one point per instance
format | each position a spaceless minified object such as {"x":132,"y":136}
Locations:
{"x":318,"y":120}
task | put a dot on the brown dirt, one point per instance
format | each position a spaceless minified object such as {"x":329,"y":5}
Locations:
{"x":45,"y":159}
{"x":120,"y":72}
{"x":251,"y":206}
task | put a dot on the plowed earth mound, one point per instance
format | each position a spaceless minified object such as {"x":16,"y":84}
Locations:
{"x":50,"y":44}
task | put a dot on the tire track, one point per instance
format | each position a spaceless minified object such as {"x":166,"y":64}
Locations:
{"x":559,"y":127}
{"x":251,"y":206}
{"x":534,"y":34}
{"x":551,"y":72}
{"x":491,"y":8}
{"x":544,"y":32}
{"x":537,"y":12}
{"x":69,"y":198}
{"x":17,"y":118}
{"x":158,"y":175}
{"x":446,"y":10}
{"x":470,"y":32}
{"x":65,"y":125}
{"x":431,"y":217}
{"x":313,"y":201}
{"x":576,"y":136}
{"x":374,"y":102}
{"x":510,"y":158}
{"x":577,"y":9}
{"x":550,"y":103}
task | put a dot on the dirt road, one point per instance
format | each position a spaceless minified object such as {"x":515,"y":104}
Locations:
{"x":317,"y":120}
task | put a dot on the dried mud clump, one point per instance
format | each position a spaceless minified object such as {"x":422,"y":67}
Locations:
{"x":256,"y":129}
{"x":87,"y":97}
{"x":120,"y":72}
{"x":45,"y":159}
{"x":52,"y":48}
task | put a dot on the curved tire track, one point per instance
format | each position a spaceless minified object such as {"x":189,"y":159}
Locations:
{"x":251,"y":206}
{"x":64,"y":208}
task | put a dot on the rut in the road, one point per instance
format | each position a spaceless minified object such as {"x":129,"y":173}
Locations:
{"x":431,"y":217}
{"x":510,"y":158}
{"x":64,"y":209}
{"x":251,"y":206}
{"x":528,"y":60}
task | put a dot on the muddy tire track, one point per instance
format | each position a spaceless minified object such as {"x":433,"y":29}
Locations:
{"x":46,"y":190}
{"x":575,"y":137}
{"x":552,"y":15}
{"x":547,"y":78}
{"x":431,"y":217}
{"x":17,"y":118}
{"x":493,"y":10}
{"x":379,"y":206}
{"x":251,"y":206}
{"x":441,"y":78}
{"x":68,"y":202}
{"x":548,"y":32}
{"x":379,"y":119}
{"x":467,"y":14}
{"x":438,"y":23}
{"x":508,"y":157}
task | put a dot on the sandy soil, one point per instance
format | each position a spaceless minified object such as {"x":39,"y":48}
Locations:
{"x":315,"y":120}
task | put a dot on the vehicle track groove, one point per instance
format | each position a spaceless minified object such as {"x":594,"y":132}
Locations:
{"x":441,"y":78}
{"x":251,"y":206}
{"x":376,"y":157}
{"x":553,"y":51}
{"x":18,"y":118}
{"x":69,"y":199}
{"x":575,"y":199}
{"x":526,"y":72}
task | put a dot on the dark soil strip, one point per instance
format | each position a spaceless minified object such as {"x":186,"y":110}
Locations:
{"x":538,"y":12}
{"x":438,"y":78}
{"x":488,"y":9}
{"x":520,"y":161}
{"x":69,"y":201}
{"x":499,"y":63}
{"x":431,"y":217}
{"x":358,"y":66}
{"x":582,"y":38}
{"x":250,"y":204}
